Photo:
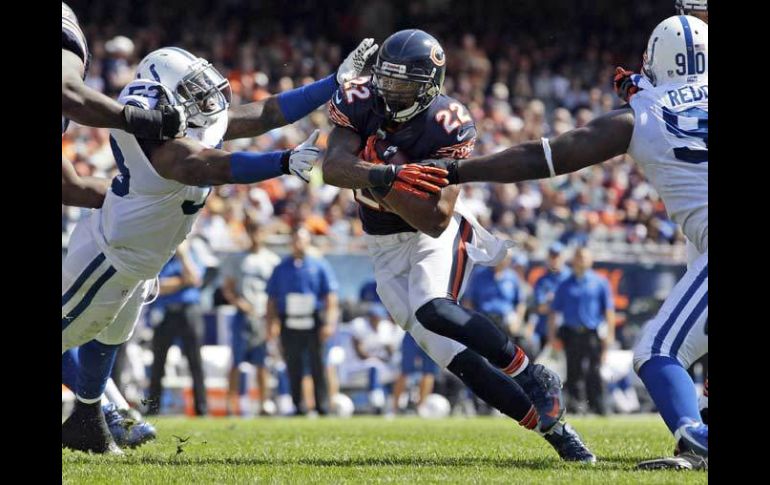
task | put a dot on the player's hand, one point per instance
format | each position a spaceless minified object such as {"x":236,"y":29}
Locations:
{"x":174,"y":121}
{"x":301,"y":158}
{"x":624,"y":85}
{"x":448,"y":165}
{"x":354,"y":63}
{"x":418,"y":180}
{"x":163,"y":123}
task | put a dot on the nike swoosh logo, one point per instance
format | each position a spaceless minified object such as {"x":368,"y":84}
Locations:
{"x":462,"y":136}
{"x":337,"y":98}
{"x":554,"y":411}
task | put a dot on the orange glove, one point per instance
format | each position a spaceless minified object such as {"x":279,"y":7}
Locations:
{"x":418,"y":180}
{"x":623,"y":84}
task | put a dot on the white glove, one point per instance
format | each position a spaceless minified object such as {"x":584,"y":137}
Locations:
{"x":354,"y":63}
{"x":302,"y":157}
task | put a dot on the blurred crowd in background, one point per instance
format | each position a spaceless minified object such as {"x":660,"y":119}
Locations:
{"x":524,"y":69}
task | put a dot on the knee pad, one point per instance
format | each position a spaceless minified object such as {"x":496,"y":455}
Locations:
{"x":442,"y":316}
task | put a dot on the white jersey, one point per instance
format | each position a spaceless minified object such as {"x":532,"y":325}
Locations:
{"x":376,"y":342}
{"x":670,"y":143}
{"x":251,"y":272}
{"x":145,"y":216}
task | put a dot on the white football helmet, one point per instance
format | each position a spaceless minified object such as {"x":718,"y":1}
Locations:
{"x":677,"y":51}
{"x":194,"y":81}
{"x":684,"y":7}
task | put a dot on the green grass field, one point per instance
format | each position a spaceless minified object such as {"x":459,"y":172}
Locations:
{"x":372,"y":450}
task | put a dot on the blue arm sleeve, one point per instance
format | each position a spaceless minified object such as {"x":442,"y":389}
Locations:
{"x":297,"y":103}
{"x":250,"y":167}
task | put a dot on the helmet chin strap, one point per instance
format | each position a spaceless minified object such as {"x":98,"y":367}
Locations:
{"x":407,"y":113}
{"x":410,"y":112}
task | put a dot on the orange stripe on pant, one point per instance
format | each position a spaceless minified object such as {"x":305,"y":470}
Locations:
{"x":529,"y":420}
{"x":462,"y":255}
{"x":517,"y":361}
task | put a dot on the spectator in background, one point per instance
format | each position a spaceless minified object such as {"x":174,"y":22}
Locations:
{"x":545,"y":289}
{"x":245,"y":276}
{"x":302,"y":307}
{"x":520,"y":266}
{"x":414,"y":360}
{"x":514,"y":89}
{"x":496,"y":293}
{"x":118,"y":68}
{"x":375,"y":341}
{"x":368,"y":293}
{"x":179,"y":304}
{"x":584,"y":311}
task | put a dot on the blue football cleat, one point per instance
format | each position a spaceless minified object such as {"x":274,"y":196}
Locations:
{"x":543,"y":387}
{"x":568,"y":444}
{"x":125,"y":430}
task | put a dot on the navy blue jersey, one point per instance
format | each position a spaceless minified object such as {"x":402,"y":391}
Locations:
{"x":444,"y":130}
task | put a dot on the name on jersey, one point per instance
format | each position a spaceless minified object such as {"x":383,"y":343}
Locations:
{"x":688,"y":94}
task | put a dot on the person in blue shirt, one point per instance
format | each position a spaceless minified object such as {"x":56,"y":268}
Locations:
{"x":179,"y":304}
{"x":544,"y":291}
{"x":368,"y":293}
{"x":497,"y":293}
{"x":584,"y":310}
{"x":302,"y":308}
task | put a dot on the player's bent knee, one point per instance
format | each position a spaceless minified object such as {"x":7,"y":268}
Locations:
{"x":437,"y":316}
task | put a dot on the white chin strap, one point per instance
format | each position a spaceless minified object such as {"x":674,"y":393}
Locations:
{"x":407,"y":113}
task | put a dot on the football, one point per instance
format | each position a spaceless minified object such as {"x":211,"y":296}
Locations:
{"x":379,"y":150}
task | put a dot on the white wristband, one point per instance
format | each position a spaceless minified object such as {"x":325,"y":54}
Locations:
{"x":548,"y":158}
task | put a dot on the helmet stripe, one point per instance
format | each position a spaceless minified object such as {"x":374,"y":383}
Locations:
{"x":154,"y":72}
{"x":688,"y":44}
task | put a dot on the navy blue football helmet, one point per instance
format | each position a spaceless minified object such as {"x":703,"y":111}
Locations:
{"x":408,"y":74}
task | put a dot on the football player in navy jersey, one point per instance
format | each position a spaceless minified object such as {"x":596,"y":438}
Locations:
{"x":425,"y":247}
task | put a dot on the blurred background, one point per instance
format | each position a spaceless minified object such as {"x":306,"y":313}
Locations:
{"x":525,"y":69}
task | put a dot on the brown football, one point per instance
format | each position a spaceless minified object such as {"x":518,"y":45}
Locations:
{"x":378,"y":150}
{"x":390,"y":153}
{"x":396,"y":201}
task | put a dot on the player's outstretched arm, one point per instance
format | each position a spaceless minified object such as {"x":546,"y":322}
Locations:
{"x":80,"y":191}
{"x":343,"y":168}
{"x":89,"y":107}
{"x":190,"y":163}
{"x":253,"y":119}
{"x":603,"y":138}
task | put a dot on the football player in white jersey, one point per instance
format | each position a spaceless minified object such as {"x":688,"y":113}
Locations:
{"x":92,"y":108}
{"x":626,"y":84}
{"x":89,"y":107}
{"x":665,"y":129}
{"x":116,"y":253}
